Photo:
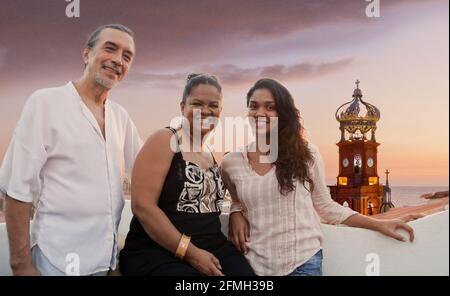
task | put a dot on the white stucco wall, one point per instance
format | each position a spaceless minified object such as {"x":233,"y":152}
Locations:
{"x":346,"y":249}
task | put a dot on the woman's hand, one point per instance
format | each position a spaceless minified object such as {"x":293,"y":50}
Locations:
{"x":239,"y":231}
{"x":389,"y":227}
{"x":386,"y":227}
{"x":205,"y":262}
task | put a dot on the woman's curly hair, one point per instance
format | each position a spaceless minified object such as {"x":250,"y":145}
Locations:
{"x":294,"y":157}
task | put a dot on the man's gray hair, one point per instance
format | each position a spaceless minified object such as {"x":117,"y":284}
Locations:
{"x":92,"y":40}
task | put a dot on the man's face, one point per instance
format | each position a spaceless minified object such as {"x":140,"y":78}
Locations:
{"x":109,"y":60}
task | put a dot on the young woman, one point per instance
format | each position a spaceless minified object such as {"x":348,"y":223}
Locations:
{"x":176,"y":197}
{"x":273,"y":217}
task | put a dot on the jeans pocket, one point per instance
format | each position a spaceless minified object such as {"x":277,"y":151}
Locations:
{"x":312,"y":267}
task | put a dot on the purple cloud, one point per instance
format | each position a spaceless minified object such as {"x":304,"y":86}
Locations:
{"x":234,"y":75}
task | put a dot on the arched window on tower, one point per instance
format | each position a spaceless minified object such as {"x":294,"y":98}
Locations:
{"x":357,"y":163}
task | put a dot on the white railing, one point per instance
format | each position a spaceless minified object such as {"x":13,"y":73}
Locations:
{"x":352,"y":251}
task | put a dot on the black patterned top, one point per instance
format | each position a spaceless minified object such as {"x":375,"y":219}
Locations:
{"x":191,"y":197}
{"x":200,"y":191}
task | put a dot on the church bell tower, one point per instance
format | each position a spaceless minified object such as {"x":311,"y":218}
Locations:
{"x":358,"y":184}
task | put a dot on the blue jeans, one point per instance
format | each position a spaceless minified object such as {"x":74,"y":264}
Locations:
{"x":312,"y":267}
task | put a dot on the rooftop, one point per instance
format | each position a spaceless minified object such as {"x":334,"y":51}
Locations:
{"x":433,"y":206}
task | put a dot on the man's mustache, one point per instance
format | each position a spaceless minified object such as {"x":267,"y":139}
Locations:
{"x":117,"y":69}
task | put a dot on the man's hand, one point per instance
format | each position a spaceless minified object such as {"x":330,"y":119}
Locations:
{"x":25,"y":270}
{"x":17,"y":216}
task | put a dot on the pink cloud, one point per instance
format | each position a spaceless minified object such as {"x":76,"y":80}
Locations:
{"x":235,"y":75}
{"x":169,"y":34}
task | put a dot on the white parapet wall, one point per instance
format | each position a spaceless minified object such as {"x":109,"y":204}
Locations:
{"x":351,"y":251}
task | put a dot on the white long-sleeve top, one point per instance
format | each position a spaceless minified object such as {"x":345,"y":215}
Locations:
{"x":284,"y":230}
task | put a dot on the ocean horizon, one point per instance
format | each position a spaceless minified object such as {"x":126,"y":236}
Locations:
{"x":410,"y":195}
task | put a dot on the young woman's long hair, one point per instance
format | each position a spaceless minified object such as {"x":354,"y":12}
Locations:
{"x":294,"y":156}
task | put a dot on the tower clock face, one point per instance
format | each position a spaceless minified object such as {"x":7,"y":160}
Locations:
{"x":370,"y":162}
{"x":345,"y":162}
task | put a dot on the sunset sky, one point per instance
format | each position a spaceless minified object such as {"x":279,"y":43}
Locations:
{"x":316,"y":48}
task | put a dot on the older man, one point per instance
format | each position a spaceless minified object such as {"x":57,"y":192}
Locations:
{"x":70,"y":151}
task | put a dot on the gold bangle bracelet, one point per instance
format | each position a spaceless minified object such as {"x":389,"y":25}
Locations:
{"x":182,"y":246}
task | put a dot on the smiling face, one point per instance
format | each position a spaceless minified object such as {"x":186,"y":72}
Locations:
{"x":109,"y":60}
{"x":261,"y":107}
{"x":204,"y":103}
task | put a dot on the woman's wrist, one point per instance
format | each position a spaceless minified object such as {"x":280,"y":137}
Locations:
{"x":235,"y":207}
{"x":183,"y":245}
{"x":374,"y":224}
{"x":362,"y":221}
{"x":235,"y":212}
{"x":190,"y":252}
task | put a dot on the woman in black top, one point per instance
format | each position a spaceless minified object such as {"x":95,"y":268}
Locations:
{"x":178,"y":194}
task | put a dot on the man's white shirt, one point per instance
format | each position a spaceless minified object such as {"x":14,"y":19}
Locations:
{"x":59,"y":160}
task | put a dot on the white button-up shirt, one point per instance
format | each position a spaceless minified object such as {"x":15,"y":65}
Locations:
{"x":59,"y":159}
